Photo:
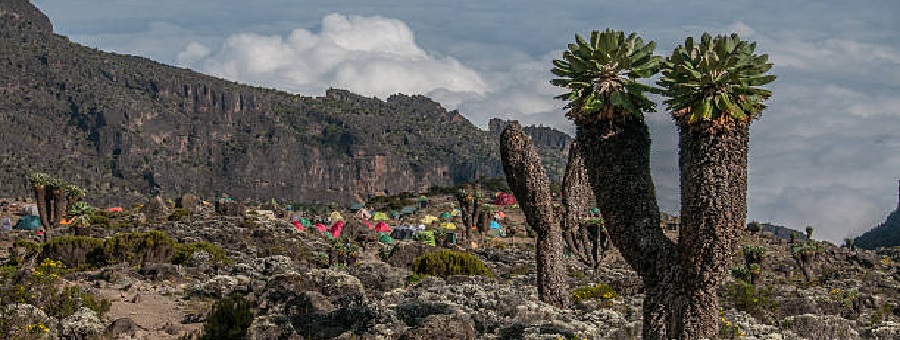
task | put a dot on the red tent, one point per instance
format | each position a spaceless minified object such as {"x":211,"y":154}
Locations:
{"x":298,"y":225}
{"x":369,"y":225}
{"x":336,"y":228}
{"x":504,"y":199}
{"x":382,"y":227}
{"x":321,"y":227}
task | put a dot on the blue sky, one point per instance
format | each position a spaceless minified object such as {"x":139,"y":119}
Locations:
{"x":826,"y":153}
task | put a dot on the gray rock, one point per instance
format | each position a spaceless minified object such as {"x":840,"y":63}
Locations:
{"x":84,"y":324}
{"x":122,"y":326}
{"x":821,"y":327}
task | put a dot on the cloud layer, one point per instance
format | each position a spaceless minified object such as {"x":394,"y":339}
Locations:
{"x":373,"y":56}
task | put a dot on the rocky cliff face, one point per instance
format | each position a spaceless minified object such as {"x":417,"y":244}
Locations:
{"x":124,"y":127}
{"x":886,"y":234}
{"x":552,"y":145}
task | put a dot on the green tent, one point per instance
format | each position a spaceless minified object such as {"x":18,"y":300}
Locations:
{"x":446,"y":215}
{"x":385,"y":238}
{"x":29,"y":223}
{"x":427,"y":237}
{"x":305,"y":222}
{"x":394,"y":214}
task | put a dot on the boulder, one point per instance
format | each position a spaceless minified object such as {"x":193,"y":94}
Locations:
{"x":442,"y":327}
{"x":122,"y":326}
{"x":821,"y":327}
{"x":84,"y":324}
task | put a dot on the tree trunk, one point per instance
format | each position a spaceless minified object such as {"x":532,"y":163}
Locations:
{"x":617,"y":157}
{"x":40,"y":200}
{"x":576,"y":192}
{"x":713,"y":164}
{"x":59,"y":206}
{"x":531,"y":186}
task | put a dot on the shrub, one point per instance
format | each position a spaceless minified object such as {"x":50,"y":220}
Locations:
{"x":183,"y":252}
{"x":75,"y":251}
{"x":600,"y":291}
{"x":98,"y":219}
{"x":229,"y":319}
{"x":179,"y":214}
{"x":747,"y":297}
{"x":446,"y":263}
{"x":139,"y":247}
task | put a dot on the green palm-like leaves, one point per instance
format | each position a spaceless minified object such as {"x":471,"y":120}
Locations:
{"x":82,"y":212}
{"x":74,"y":191}
{"x":715,"y":79}
{"x":39,"y":178}
{"x":601,"y":75}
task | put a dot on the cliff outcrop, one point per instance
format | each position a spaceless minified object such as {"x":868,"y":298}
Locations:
{"x":125,"y":127}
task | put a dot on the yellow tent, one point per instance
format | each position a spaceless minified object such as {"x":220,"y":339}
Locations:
{"x":455,"y":212}
{"x":448,"y":225}
{"x":336,"y":216}
{"x":380,"y":216}
{"x":428,"y":219}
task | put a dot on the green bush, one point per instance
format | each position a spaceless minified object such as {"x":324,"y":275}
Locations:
{"x":446,"y":263}
{"x":75,"y":251}
{"x":183,"y":252}
{"x":139,"y":247}
{"x":600,"y":291}
{"x":98,"y":219}
{"x":229,"y":320}
{"x":179,"y":214}
{"x":747,"y":297}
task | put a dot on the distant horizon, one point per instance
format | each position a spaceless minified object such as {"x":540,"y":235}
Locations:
{"x":823,"y":154}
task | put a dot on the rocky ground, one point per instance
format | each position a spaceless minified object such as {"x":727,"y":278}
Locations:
{"x":295,"y":294}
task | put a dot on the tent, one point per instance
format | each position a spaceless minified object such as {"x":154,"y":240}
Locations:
{"x":305,"y":222}
{"x":427,"y":237}
{"x":448,"y":225}
{"x":385,"y":238}
{"x":30,"y":210}
{"x":504,"y":199}
{"x":298,"y":225}
{"x":495,"y":225}
{"x":114,"y":210}
{"x":380,"y":216}
{"x":404,"y":232}
{"x":423,"y":202}
{"x":321,"y":227}
{"x":369,"y":225}
{"x":428,"y":219}
{"x":29,"y":222}
{"x":336,"y":216}
{"x":455,"y":212}
{"x":408,"y":210}
{"x":445,"y":215}
{"x":363,"y":214}
{"x":6,"y":224}
{"x":394,"y":214}
{"x":594,"y":211}
{"x":336,"y":229}
{"x":382,"y":227}
{"x":500,"y":214}
{"x":357,"y":206}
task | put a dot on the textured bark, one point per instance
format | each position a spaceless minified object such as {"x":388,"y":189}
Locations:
{"x":617,"y":157}
{"x":40,"y":200}
{"x":59,"y":206}
{"x":713,"y":163}
{"x":583,"y":243}
{"x":531,"y":186}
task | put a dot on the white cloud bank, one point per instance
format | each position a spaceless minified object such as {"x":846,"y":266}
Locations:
{"x":372,"y":56}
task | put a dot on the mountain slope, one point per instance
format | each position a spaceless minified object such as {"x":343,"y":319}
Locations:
{"x":886,"y":234}
{"x":125,"y":126}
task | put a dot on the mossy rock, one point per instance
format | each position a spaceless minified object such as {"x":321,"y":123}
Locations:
{"x":447,"y":263}
{"x":139,"y":247}
{"x":75,"y":251}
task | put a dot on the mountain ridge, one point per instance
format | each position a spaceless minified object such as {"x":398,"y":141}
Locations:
{"x":126,"y":127}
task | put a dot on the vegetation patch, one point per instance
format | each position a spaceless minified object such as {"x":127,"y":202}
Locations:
{"x":229,"y":319}
{"x":446,"y":263}
{"x":183,"y":252}
{"x":599,"y":291}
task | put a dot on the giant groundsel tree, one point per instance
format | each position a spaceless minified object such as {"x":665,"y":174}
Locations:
{"x":713,"y":94}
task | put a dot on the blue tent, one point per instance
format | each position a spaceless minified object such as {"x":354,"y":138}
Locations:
{"x":29,"y":223}
{"x":495,"y":225}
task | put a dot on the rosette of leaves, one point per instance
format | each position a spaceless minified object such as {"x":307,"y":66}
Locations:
{"x":715,"y":80}
{"x":82,"y":212}
{"x":601,"y":75}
